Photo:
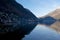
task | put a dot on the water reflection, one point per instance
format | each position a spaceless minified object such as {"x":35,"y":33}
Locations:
{"x":16,"y":21}
{"x":42,"y":33}
{"x":27,"y":27}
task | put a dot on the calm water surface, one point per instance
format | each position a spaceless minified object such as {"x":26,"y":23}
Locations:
{"x":42,"y":33}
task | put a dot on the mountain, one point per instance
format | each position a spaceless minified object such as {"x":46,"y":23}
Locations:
{"x":48,"y":20}
{"x":55,"y":14}
{"x":15,"y":20}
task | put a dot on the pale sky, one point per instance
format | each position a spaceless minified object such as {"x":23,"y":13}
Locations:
{"x":40,"y":7}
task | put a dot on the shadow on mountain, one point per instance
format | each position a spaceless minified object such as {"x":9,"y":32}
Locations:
{"x":48,"y":20}
{"x":15,"y":20}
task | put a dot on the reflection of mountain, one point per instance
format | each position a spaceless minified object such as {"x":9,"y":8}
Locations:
{"x":15,"y":20}
{"x":55,"y":14}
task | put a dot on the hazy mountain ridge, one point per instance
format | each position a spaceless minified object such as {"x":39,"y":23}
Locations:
{"x":55,"y":14}
{"x":48,"y":20}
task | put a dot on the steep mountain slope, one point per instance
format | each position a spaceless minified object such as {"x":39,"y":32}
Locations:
{"x":15,"y":20}
{"x":55,"y":14}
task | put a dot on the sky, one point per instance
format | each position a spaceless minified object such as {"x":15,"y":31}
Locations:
{"x":40,"y":7}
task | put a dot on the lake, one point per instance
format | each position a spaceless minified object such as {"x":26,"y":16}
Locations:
{"x":41,"y":32}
